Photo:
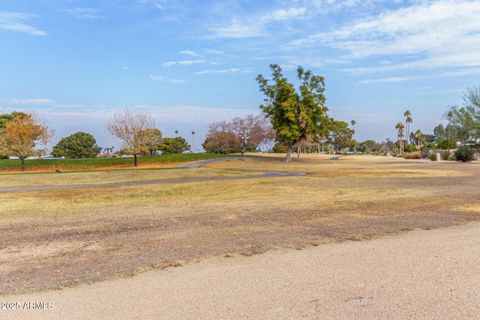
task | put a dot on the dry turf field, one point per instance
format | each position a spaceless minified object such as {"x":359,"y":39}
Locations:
{"x":57,"y":238}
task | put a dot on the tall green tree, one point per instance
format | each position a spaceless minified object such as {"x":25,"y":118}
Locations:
{"x":341,"y":136}
{"x":76,"y":146}
{"x":295,"y":114}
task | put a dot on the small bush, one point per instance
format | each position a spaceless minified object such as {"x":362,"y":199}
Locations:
{"x":279,"y":148}
{"x":425,"y":153}
{"x":464,"y":154}
{"x":410,"y":148}
{"x":447,"y":144}
{"x":445,"y":155}
{"x":432,"y":156}
{"x":413,"y":155}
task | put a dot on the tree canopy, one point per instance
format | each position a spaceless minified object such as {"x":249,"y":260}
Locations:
{"x":241,"y":134}
{"x":76,"y":146}
{"x":21,"y":136}
{"x":154,"y":140}
{"x":295,"y":114}
{"x":130,"y":126}
{"x":174,"y":145}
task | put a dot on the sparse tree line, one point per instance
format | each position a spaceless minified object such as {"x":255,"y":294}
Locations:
{"x":293,"y":118}
{"x":462,"y":133}
{"x":22,"y":135}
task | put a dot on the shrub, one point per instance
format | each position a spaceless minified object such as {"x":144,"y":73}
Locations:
{"x":413,"y":155}
{"x":410,"y":148}
{"x":279,"y":148}
{"x":425,"y":153}
{"x":432,"y":156}
{"x":445,"y":155}
{"x":447,"y":144}
{"x":464,"y":154}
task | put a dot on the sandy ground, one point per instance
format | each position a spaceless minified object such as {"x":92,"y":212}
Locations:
{"x":416,"y":275}
{"x":64,"y":238}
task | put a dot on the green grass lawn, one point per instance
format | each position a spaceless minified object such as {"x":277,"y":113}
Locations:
{"x":94,"y":163}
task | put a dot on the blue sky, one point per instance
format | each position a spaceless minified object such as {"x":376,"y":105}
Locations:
{"x":192,"y":62}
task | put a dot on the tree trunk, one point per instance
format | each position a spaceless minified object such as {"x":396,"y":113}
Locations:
{"x":135,"y":160}
{"x":23,"y":164}
{"x":289,"y":153}
{"x":298,"y":152}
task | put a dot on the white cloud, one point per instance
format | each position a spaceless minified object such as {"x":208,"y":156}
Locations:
{"x":166,"y":79}
{"x":159,"y":4}
{"x":85,"y":13}
{"x":28,"y":101}
{"x":285,"y":14}
{"x":125,"y":67}
{"x":443,"y":33}
{"x":389,"y":80}
{"x":223,"y":71}
{"x":255,"y":26}
{"x":216,"y":52}
{"x":184,"y":62}
{"x":190,"y":53}
{"x":238,"y":30}
{"x":15,"y":21}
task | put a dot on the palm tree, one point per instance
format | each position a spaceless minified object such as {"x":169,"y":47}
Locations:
{"x":400,"y":134}
{"x":353,"y":122}
{"x":449,"y":117}
{"x":420,"y":137}
{"x":408,"y":121}
{"x":193,"y":141}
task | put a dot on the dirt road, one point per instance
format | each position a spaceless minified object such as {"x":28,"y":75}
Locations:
{"x":416,"y":275}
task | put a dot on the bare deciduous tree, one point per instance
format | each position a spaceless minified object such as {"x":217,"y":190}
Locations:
{"x":131,"y":126}
{"x":21,"y":136}
{"x":250,"y":130}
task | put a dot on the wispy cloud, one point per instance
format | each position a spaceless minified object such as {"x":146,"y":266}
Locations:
{"x":166,"y":79}
{"x":190,"y":53}
{"x":159,"y":4}
{"x":16,"y":21}
{"x":223,"y":71}
{"x":85,"y":13}
{"x":28,"y":101}
{"x":389,"y":80}
{"x":255,"y":26}
{"x":184,"y":62}
{"x":238,"y":30}
{"x":216,"y":52}
{"x":442,"y":33}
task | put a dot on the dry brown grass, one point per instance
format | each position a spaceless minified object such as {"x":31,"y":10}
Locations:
{"x":65,"y":237}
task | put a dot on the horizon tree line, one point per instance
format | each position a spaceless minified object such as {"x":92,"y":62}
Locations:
{"x":292,"y":117}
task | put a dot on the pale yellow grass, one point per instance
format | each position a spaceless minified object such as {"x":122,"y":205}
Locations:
{"x":93,"y":177}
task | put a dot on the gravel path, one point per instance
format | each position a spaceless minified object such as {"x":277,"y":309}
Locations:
{"x":416,"y":275}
